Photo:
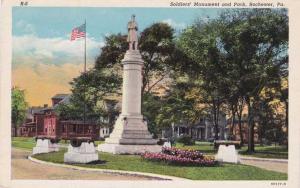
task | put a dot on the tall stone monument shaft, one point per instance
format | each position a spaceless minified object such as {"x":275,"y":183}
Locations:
{"x":130,"y":134}
{"x":132,"y":84}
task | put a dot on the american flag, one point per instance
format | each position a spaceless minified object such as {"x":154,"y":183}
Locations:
{"x":78,"y":32}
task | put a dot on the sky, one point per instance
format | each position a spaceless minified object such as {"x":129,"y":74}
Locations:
{"x":45,"y":60}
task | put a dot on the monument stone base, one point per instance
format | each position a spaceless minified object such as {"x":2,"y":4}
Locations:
{"x":85,"y":153}
{"x":130,"y":136}
{"x":128,"y":149}
{"x":45,"y":146}
{"x":227,"y":154}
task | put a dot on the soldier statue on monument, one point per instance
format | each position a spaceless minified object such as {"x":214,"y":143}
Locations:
{"x":132,"y":38}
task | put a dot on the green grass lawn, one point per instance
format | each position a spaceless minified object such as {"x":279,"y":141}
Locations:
{"x":278,"y":152}
{"x":23,"y":142}
{"x":135,"y":163}
{"x":203,"y":147}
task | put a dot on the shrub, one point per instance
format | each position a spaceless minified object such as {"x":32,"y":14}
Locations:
{"x":186,"y":140}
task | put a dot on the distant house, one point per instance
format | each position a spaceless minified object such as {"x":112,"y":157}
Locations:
{"x":34,"y":122}
{"x":202,"y":130}
{"x":44,"y":122}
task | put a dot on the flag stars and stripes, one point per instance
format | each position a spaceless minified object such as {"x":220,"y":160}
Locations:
{"x":78,"y":32}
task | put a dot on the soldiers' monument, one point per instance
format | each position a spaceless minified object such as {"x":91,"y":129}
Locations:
{"x":130,"y":134}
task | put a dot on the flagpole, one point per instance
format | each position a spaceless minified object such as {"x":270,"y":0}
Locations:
{"x":85,"y":47}
{"x":84,"y":113}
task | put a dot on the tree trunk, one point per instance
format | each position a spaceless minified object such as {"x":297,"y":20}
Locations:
{"x":240,"y":130}
{"x":15,"y":130}
{"x":232,"y":122}
{"x":261,"y":136}
{"x":215,"y":120}
{"x":250,"y":128}
{"x":239,"y":112}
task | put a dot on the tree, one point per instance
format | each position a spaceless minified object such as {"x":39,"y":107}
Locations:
{"x":18,"y":107}
{"x":235,"y":57}
{"x":179,"y":104}
{"x":255,"y":41}
{"x":208,"y":70}
{"x":91,"y":89}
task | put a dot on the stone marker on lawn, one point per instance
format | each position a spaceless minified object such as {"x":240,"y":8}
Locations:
{"x":44,"y":146}
{"x":227,"y":154}
{"x":85,"y":153}
{"x":130,"y":134}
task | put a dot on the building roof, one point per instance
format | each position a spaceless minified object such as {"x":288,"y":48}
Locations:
{"x":60,"y":96}
{"x":65,"y":100}
{"x":34,"y":110}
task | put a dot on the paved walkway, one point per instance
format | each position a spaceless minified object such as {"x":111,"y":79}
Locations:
{"x":268,"y":164}
{"x":22,"y":168}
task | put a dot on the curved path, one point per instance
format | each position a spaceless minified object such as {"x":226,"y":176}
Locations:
{"x":22,"y":168}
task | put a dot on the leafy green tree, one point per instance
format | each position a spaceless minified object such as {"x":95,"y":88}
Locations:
{"x":89,"y":91}
{"x":179,"y":105}
{"x":255,"y":42}
{"x":236,"y":56}
{"x":18,"y":107}
{"x":208,"y":70}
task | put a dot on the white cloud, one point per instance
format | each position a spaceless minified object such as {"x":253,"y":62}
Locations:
{"x":35,"y":47}
{"x":25,"y":27}
{"x":174,"y":24}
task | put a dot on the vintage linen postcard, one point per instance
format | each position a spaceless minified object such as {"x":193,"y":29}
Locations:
{"x":149,"y":93}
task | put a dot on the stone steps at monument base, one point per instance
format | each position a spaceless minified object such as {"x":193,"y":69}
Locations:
{"x":131,"y":141}
{"x":137,"y":141}
{"x":147,"y":136}
{"x":134,"y":136}
{"x":134,"y":131}
{"x":131,"y":134}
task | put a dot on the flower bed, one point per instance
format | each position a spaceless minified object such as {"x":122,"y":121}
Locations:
{"x":182,"y":153}
{"x":181,"y":157}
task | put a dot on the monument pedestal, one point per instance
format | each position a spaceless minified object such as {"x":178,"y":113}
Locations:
{"x":227,"y":154}
{"x":128,"y":149}
{"x":85,"y":153}
{"x":130,"y":136}
{"x":45,"y":146}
